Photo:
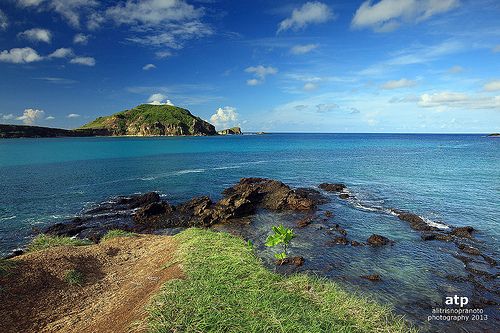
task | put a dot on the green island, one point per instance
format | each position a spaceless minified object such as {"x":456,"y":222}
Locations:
{"x":142,"y":120}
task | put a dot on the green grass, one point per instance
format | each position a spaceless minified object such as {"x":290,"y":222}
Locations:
{"x":147,"y":113}
{"x":5,"y":266}
{"x":42,"y":242}
{"x":73,"y":277}
{"x":227,"y":289}
{"x":117,"y":233}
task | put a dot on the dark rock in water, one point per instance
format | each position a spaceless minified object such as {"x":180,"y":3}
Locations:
{"x":456,"y":278}
{"x":339,"y":229}
{"x":304,"y":222}
{"x":469,"y":249}
{"x":372,"y":277}
{"x":328,"y":213}
{"x":147,"y":213}
{"x":489,"y":260}
{"x":329,"y":187}
{"x":274,"y":195}
{"x":296,"y":261}
{"x":312,"y":194}
{"x":341,"y":240}
{"x":415,"y":221}
{"x":140,"y":200}
{"x":436,"y":236}
{"x":463,"y":259}
{"x":344,"y":196}
{"x":463,"y":232}
{"x":378,"y":240}
{"x":14,"y":253}
{"x":356,"y":243}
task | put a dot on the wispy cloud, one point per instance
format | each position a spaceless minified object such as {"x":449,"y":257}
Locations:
{"x":396,"y":84}
{"x":492,"y":86}
{"x":303,"y":49}
{"x":310,"y":13}
{"x":388,"y":15}
{"x":260,"y":73}
{"x":80,"y":38}
{"x":416,"y":54}
{"x":84,"y":61}
{"x":4,"y":21}
{"x":160,"y":23}
{"x":148,"y":67}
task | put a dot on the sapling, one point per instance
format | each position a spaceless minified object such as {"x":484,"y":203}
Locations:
{"x":282,"y":236}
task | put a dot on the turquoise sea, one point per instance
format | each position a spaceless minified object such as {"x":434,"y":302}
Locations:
{"x":447,"y":179}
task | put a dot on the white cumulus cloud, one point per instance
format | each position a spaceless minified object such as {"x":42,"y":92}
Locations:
{"x":396,"y":84}
{"x":30,"y":116}
{"x":492,"y":85}
{"x":309,"y":13}
{"x":226,"y":117}
{"x":260,"y":72}
{"x":37,"y":35}
{"x":303,"y":49}
{"x":20,"y":55}
{"x":84,"y":61}
{"x":73,"y":115}
{"x":148,"y":67}
{"x":388,"y":15}
{"x":159,"y":99}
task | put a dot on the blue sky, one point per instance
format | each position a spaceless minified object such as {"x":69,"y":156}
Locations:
{"x":291,"y":66}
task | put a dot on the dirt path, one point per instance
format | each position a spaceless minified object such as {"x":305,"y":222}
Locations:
{"x":119,"y":278}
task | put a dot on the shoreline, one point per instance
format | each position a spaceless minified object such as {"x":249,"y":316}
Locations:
{"x":150,"y":214}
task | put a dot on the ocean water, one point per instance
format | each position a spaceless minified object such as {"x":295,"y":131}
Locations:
{"x":448,"y":179}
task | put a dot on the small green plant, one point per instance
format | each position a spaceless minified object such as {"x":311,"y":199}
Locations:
{"x":73,"y":277}
{"x":117,"y":233}
{"x":282,"y":236}
{"x":250,"y":245}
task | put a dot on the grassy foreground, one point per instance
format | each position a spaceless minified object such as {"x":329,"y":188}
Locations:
{"x":227,"y":289}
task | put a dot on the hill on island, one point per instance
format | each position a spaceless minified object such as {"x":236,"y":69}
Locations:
{"x":152,"y":120}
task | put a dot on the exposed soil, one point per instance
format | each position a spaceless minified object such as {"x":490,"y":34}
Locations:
{"x":119,"y":278}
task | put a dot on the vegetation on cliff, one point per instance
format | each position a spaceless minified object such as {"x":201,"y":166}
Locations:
{"x":152,"y":120}
{"x":227,"y":289}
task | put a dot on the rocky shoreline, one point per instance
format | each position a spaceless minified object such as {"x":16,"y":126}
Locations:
{"x":148,"y":213}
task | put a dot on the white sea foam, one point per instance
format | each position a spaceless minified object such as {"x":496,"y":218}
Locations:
{"x":365,"y":205}
{"x":183,"y":172}
{"x":7,"y":218}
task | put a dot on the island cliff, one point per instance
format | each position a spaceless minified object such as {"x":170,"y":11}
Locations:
{"x":152,"y":120}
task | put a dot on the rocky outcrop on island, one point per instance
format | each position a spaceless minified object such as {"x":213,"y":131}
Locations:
{"x":497,"y":135}
{"x":231,"y":131}
{"x":152,"y":120}
{"x":23,"y":131}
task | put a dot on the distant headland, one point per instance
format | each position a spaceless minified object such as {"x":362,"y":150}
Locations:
{"x":143,"y":120}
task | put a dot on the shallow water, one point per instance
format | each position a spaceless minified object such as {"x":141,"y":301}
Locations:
{"x":450,"y":179}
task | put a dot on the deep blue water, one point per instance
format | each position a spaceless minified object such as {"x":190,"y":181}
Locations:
{"x":451,"y":179}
